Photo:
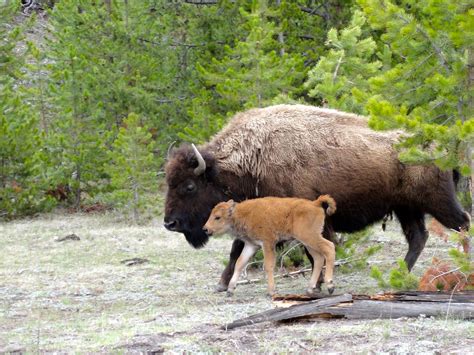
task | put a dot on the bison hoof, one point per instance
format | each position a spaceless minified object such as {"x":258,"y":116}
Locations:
{"x":229,"y":293}
{"x":330,"y":288}
{"x":220,"y":288}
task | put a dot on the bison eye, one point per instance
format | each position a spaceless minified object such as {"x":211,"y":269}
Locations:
{"x":217,"y":218}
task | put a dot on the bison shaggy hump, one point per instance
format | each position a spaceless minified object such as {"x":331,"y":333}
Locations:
{"x":303,"y":151}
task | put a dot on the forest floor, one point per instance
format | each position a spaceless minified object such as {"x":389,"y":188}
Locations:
{"x":82,"y":296}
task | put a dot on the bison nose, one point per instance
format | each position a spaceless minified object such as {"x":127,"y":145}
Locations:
{"x":207,"y":231}
{"x":171,"y":225}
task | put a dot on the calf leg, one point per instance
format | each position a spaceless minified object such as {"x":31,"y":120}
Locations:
{"x":248,"y":251}
{"x":329,"y":234}
{"x":413,"y":225}
{"x":318,"y":265}
{"x":325,"y":251}
{"x":269,"y":261}
{"x":237,"y":247}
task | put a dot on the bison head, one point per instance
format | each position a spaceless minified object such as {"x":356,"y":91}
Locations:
{"x":193,"y":191}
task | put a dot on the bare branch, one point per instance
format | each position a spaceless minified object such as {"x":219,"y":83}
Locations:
{"x":334,"y":76}
{"x":315,"y":11}
{"x":174,"y":44}
{"x":167,"y":101}
{"x":306,"y":37}
{"x":201,"y":2}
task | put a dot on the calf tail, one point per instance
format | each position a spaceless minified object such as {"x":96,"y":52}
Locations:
{"x":327,"y":203}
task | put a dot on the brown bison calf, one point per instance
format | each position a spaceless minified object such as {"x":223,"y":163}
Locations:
{"x":263,"y":222}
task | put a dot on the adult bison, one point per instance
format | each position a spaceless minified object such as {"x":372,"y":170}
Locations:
{"x":304,"y":151}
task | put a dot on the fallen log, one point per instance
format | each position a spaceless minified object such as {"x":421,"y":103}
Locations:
{"x":388,"y":305}
{"x":427,"y":296}
{"x":291,"y":312}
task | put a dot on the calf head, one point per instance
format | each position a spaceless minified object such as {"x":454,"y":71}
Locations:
{"x":220,"y":220}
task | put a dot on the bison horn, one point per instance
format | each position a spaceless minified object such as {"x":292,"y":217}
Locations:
{"x":169,"y":150}
{"x":202,"y":164}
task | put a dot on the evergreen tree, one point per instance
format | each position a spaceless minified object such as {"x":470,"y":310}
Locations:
{"x":78,"y":135}
{"x":107,"y":59}
{"x":341,"y":76}
{"x":251,"y":74}
{"x":133,"y":167}
{"x":20,"y":190}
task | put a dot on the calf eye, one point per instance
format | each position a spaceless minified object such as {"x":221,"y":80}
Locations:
{"x":217,"y":218}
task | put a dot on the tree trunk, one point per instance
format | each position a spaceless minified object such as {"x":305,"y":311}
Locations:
{"x":470,"y":113}
{"x":464,"y":186}
{"x":135,"y":202}
{"x":77,"y":177}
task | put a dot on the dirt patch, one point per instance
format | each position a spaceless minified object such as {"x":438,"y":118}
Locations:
{"x":81,"y":297}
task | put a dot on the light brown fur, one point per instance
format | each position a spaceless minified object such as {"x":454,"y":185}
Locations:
{"x":266,"y":221}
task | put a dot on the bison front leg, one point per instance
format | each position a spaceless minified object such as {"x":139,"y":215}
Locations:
{"x":248,"y":251}
{"x":237,"y":247}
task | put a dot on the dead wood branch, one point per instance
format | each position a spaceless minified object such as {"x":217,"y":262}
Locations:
{"x":389,"y":305}
{"x":288,"y":313}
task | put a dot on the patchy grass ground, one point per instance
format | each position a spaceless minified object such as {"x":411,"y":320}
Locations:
{"x":79,"y":296}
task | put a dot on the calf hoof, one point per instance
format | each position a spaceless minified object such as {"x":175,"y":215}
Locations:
{"x":270,"y":294}
{"x":313,"y":291}
{"x":220,"y":288}
{"x":229,"y":293}
{"x":330,"y":287}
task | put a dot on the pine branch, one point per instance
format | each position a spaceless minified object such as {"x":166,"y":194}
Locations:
{"x":437,"y":49}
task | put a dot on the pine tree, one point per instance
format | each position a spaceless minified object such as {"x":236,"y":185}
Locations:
{"x":252,"y":73}
{"x":107,"y":59}
{"x":76,"y":140}
{"x":341,"y":76}
{"x":133,"y":167}
{"x":20,"y":190}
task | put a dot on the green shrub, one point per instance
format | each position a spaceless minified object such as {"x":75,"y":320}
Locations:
{"x":399,"y":278}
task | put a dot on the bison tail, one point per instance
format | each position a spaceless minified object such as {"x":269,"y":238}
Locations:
{"x":327,"y":203}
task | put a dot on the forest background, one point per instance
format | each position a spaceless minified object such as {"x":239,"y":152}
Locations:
{"x":93,"y":93}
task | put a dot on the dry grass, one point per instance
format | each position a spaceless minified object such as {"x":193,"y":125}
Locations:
{"x":78,"y":296}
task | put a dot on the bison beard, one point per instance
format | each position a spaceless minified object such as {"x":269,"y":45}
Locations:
{"x":197,"y":238}
{"x":303,"y":151}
